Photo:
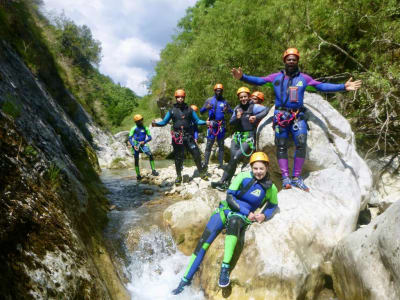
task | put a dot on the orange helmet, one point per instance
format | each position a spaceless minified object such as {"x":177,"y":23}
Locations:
{"x":137,"y":117}
{"x":218,"y":86}
{"x":243,"y":89}
{"x":259,"y":95}
{"x":180,"y":93}
{"x":194,"y":107}
{"x":259,"y":156}
{"x":293,"y":51}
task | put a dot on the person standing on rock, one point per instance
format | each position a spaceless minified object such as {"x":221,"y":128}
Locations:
{"x":139,"y":136}
{"x":216,"y":106}
{"x":245,"y":118}
{"x":248,"y":191}
{"x":183,"y":117}
{"x":289,"y":117}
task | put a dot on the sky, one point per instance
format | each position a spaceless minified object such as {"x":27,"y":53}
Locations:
{"x":132,"y":33}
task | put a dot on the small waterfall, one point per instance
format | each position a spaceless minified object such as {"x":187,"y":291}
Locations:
{"x":156,"y":268}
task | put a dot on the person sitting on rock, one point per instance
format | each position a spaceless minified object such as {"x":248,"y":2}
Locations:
{"x":138,"y":140}
{"x":247,"y":192}
{"x":245,"y":118}
{"x":289,"y":117}
{"x":195,"y":127}
{"x":183,"y":117}
{"x":216,"y":106}
{"x":257,"y":97}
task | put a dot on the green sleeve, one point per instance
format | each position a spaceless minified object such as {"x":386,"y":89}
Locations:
{"x":235,"y":185}
{"x":132,"y":130}
{"x":272,"y":195}
{"x":147,"y":131}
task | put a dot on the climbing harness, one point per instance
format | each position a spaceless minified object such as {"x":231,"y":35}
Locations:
{"x":286,"y":121}
{"x":239,"y":137}
{"x":219,"y":125}
{"x":177,"y":137}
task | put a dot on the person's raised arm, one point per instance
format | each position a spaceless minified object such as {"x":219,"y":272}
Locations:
{"x":163,"y":122}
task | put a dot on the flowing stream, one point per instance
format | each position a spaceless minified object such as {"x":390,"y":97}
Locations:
{"x":152,"y":264}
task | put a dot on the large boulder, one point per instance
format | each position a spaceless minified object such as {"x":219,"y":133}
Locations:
{"x":289,"y":256}
{"x":160,"y":144}
{"x":366,"y":264}
{"x":387,"y":182}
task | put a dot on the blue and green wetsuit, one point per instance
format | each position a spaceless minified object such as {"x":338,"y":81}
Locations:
{"x":140,"y":133}
{"x":245,"y":195}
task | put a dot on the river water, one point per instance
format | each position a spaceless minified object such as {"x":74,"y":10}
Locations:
{"x":151,"y":263}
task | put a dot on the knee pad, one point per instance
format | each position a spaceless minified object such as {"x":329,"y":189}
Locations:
{"x":203,"y":239}
{"x":281,"y":147}
{"x":301,"y":141}
{"x":234,"y":225}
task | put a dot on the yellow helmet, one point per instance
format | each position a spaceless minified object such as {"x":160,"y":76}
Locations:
{"x":259,"y":156}
{"x":194,"y":107}
{"x":243,"y":89}
{"x":137,"y":117}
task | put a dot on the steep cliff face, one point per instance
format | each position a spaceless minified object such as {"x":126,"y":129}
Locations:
{"x":52,"y":208}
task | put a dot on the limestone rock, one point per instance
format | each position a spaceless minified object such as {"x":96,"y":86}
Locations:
{"x":288,"y":256}
{"x":160,"y":144}
{"x":387,"y":182}
{"x":366,"y":264}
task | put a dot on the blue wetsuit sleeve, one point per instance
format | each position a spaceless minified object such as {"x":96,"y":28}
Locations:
{"x":204,"y":108}
{"x":131,"y":141}
{"x":330,"y":87}
{"x":228,"y":108}
{"x":148,"y":135}
{"x":253,"y":79}
{"x":259,"y":111}
{"x":269,"y":210}
{"x":165,"y":120}
{"x":197,"y":120}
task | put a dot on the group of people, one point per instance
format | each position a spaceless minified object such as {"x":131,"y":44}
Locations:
{"x":253,"y":189}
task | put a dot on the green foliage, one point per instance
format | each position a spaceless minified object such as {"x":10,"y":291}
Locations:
{"x":336,"y":41}
{"x":30,"y":151}
{"x":10,"y":107}
{"x":54,"y":176}
{"x":76,"y":42}
{"x":64,"y":56}
{"x":147,"y":108}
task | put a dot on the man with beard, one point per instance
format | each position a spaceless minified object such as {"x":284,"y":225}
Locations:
{"x":183,"y":117}
{"x":289,"y":116}
{"x":245,"y":118}
{"x":216,"y":106}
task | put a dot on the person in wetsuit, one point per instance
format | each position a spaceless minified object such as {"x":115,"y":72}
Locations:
{"x":245,"y":118}
{"x":247,"y":192}
{"x":289,"y":117}
{"x":194,"y":125}
{"x":139,"y":136}
{"x":183,"y":117}
{"x":216,"y":106}
{"x":257,"y":97}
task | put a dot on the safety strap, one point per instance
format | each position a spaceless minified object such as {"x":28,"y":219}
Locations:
{"x":219,"y":125}
{"x":246,"y":188}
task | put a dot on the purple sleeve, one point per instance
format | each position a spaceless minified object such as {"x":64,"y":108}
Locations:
{"x":259,"y":80}
{"x":323,"y":87}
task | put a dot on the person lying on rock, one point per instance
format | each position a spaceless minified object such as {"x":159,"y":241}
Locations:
{"x":289,"y":117}
{"x":245,"y":118}
{"x":247,"y":192}
{"x":182,"y":132}
{"x":216,"y":107}
{"x":139,"y":136}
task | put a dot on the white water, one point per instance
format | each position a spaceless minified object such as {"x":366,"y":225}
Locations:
{"x":156,"y":269}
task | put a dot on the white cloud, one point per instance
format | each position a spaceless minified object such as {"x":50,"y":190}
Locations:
{"x":132,"y":33}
